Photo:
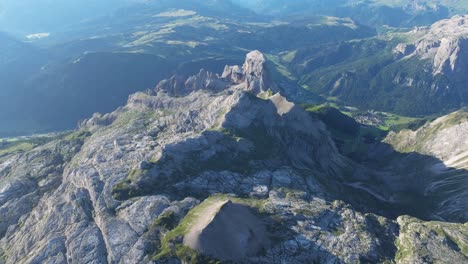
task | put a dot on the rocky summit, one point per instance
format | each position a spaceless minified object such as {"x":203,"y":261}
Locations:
{"x":415,"y":73}
{"x":445,"y":43}
{"x":221,"y":168}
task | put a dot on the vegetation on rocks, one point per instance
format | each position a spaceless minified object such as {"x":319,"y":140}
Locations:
{"x":442,"y":241}
{"x":129,"y":190}
{"x":171,"y":242}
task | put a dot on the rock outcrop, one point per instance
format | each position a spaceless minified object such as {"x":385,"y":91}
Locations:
{"x":446,"y":138}
{"x":416,"y":73}
{"x":445,"y":43}
{"x":253,"y":77}
{"x":228,"y":231}
{"x":431,"y":242}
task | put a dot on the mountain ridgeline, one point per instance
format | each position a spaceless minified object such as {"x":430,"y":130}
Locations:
{"x":224,"y":159}
{"x":71,"y":74}
{"x":156,"y":131}
{"x":378,"y":13}
{"x":420,"y":72}
{"x":60,"y":77}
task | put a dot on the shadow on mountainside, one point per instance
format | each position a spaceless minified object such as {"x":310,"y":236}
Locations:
{"x":288,"y":160}
{"x":412,"y":184}
{"x":254,"y":138}
{"x":390,"y":183}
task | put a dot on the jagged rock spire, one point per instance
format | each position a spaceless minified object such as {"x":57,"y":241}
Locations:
{"x":257,"y":76}
{"x":253,"y":76}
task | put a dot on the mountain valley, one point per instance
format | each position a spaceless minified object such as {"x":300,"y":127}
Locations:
{"x":154,"y":39}
{"x":196,"y":142}
{"x":233,"y":131}
{"x":417,"y":73}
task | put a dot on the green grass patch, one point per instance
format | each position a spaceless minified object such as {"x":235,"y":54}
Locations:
{"x":402,"y":251}
{"x":12,"y":146}
{"x":338,"y":232}
{"x":17,"y":147}
{"x":2,"y":256}
{"x":454,"y":232}
{"x":265,"y":95}
{"x":279,"y":67}
{"x":242,"y":147}
{"x":126,"y":188}
{"x":305,"y":212}
{"x":427,"y":132}
{"x":80,"y":135}
{"x":396,"y":122}
{"x":171,"y":245}
{"x":288,"y":56}
{"x":167,"y":220}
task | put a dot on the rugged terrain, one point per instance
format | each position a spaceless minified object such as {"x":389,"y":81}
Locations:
{"x":447,"y":140}
{"x":63,"y":76}
{"x":415,"y":73}
{"x":61,"y":73}
{"x":159,"y":179}
{"x":376,"y":13}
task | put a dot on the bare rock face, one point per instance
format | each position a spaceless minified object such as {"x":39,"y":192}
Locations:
{"x":253,"y":77}
{"x":124,"y":188}
{"x":445,"y":43}
{"x":256,"y":74}
{"x":228,"y":231}
{"x":431,"y":242}
{"x":59,"y":203}
{"x":403,"y":50}
{"x":447,"y":139}
{"x":452,"y":56}
{"x":233,"y":73}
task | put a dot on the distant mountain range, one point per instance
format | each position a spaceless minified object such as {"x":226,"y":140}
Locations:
{"x":374,"y":12}
{"x":65,"y":77}
{"x":86,"y":66}
{"x":35,"y":16}
{"x":218,"y":131}
{"x":210,"y":160}
{"x":30,"y":17}
{"x":420,"y":72}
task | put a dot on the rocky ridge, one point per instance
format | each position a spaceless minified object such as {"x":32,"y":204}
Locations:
{"x":445,"y":43}
{"x":253,"y":76}
{"x":447,"y":139}
{"x":417,"y":73}
{"x":227,"y":231}
{"x":129,"y":186}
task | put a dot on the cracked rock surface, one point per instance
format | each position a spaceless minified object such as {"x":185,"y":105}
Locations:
{"x":126,"y":187}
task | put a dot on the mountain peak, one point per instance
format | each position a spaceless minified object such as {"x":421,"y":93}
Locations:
{"x":257,"y":76}
{"x":445,"y":43}
{"x":254,"y":77}
{"x":254,"y":63}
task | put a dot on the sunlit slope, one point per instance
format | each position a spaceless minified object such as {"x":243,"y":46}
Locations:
{"x":446,"y":138}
